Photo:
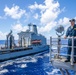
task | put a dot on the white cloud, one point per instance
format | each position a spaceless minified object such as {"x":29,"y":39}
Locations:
{"x":49,"y":12}
{"x":64,"y":21}
{"x":36,"y":16}
{"x":18,"y":27}
{"x":47,"y":28}
{"x":36,"y":6}
{"x":2,"y":35}
{"x":15,"y":12}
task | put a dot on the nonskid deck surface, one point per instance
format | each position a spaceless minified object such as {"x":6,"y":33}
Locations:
{"x":60,"y":63}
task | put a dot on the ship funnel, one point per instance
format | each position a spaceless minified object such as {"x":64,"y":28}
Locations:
{"x":29,"y":25}
{"x":34,"y":29}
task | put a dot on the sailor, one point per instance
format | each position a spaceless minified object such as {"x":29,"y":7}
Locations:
{"x":71,"y":31}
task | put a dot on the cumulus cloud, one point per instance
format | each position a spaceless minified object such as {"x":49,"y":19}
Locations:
{"x":3,"y":35}
{"x":49,"y":12}
{"x":18,"y":27}
{"x":47,"y":27}
{"x":64,"y":21}
{"x":36,"y":16}
{"x":15,"y":12}
{"x":37,"y":6}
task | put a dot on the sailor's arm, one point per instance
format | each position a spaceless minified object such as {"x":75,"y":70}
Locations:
{"x":67,"y":33}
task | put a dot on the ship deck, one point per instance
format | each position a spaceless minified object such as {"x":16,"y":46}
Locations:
{"x":60,"y":63}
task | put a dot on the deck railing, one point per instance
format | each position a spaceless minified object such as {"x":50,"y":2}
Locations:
{"x":58,"y":45}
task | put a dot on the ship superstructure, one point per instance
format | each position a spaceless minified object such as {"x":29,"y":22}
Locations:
{"x":29,"y":42}
{"x":31,"y":37}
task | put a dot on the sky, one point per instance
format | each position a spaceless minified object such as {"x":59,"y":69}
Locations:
{"x":15,"y":15}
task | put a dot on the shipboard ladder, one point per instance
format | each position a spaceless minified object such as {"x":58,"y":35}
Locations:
{"x":58,"y":54}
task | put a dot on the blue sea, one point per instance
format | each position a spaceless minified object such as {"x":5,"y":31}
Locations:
{"x":37,"y":64}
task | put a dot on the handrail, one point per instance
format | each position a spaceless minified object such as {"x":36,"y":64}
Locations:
{"x":50,"y":47}
{"x":66,"y":38}
{"x":65,"y":46}
{"x":62,"y":54}
{"x":59,"y":45}
{"x":72,"y":52}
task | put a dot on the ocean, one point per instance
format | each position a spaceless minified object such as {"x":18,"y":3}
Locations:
{"x":37,"y":64}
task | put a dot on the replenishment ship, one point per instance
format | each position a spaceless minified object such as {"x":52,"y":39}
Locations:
{"x":29,"y":42}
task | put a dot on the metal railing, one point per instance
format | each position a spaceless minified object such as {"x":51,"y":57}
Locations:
{"x":58,"y":45}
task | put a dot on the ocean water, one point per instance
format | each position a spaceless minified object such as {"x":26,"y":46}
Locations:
{"x":37,"y":64}
{"x":2,"y":42}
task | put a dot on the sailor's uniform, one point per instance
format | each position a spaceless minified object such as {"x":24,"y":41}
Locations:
{"x":71,"y":31}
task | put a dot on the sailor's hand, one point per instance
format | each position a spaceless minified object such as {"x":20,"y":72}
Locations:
{"x":65,"y":37}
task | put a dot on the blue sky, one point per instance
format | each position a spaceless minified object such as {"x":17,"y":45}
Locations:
{"x":46,"y":14}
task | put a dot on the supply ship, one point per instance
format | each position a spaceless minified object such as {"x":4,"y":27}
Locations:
{"x":29,"y":42}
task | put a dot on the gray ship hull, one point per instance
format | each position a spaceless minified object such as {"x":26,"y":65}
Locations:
{"x":19,"y":52}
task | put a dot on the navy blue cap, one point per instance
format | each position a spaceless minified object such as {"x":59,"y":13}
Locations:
{"x":72,"y":20}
